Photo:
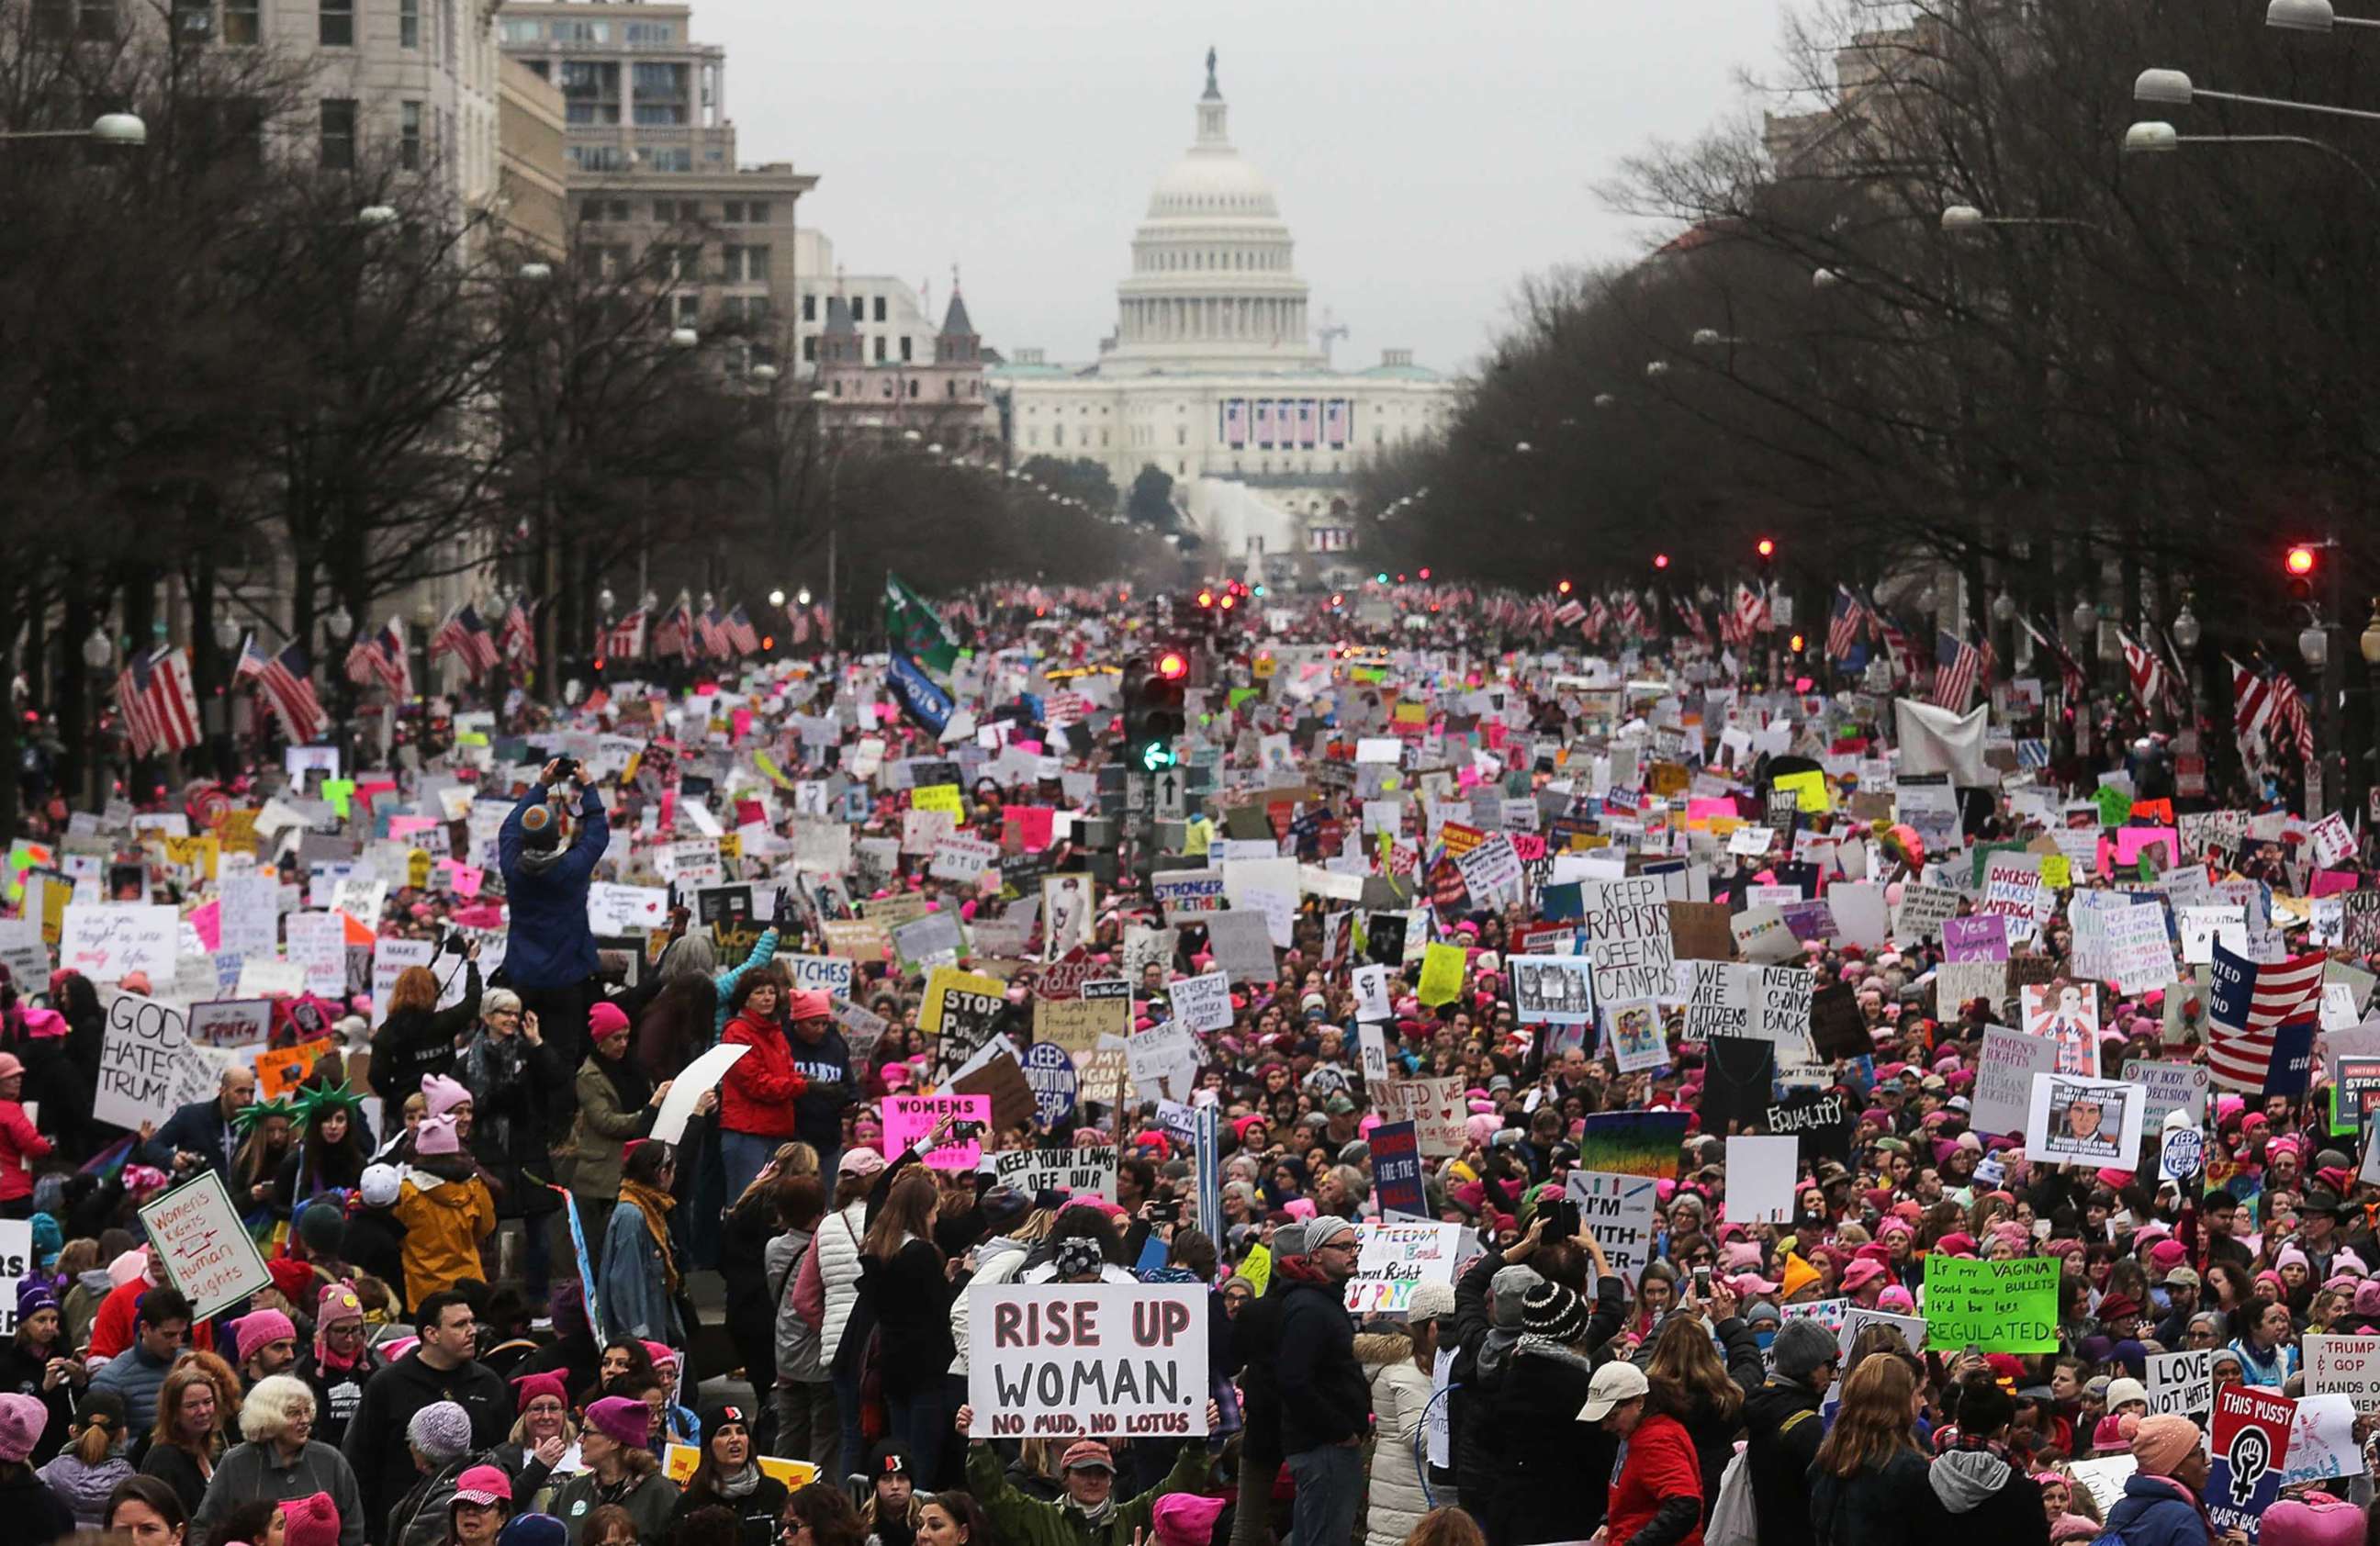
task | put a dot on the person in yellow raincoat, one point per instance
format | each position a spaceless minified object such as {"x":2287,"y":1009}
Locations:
{"x":445,"y":1210}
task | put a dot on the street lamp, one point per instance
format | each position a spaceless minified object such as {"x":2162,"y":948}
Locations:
{"x":605,"y":602}
{"x":2159,"y":138}
{"x":2186,"y":630}
{"x":2004,"y":607}
{"x":764,"y":373}
{"x":536,"y":274}
{"x":777,"y":597}
{"x":373,"y":217}
{"x":226,"y":632}
{"x":2309,"y":15}
{"x":1711,"y":338}
{"x":2175,"y":89}
{"x":1521,"y":448}
{"x":2313,"y":644}
{"x":683,"y":338}
{"x":98,"y":649}
{"x":1605,"y":400}
{"x":1960,"y":219}
{"x":108,"y":128}
{"x":802,"y":596}
{"x":339,"y":622}
{"x":1657,"y":368}
{"x":1823,"y":279}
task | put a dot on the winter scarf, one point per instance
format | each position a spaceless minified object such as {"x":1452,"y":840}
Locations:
{"x":655,"y":1206}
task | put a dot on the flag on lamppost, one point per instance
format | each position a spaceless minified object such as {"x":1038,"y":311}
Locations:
{"x":288,"y":683}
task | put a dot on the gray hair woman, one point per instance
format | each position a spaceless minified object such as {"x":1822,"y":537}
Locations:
{"x":282,"y":1459}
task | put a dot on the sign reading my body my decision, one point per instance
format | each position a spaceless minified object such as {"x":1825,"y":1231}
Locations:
{"x":1998,"y":1307}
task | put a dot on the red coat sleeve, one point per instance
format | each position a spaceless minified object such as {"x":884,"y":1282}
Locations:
{"x":764,"y":1074}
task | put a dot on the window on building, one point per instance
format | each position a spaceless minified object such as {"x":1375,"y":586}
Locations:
{"x":658,"y":80}
{"x":660,"y":114}
{"x":689,"y":310}
{"x":514,"y":30}
{"x":243,"y":23}
{"x":408,"y":23}
{"x":1181,"y":434}
{"x":809,"y":348}
{"x":879,"y":309}
{"x":809,"y":308}
{"x":756,"y":212}
{"x":339,"y":133}
{"x":582,"y":31}
{"x":880,"y":348}
{"x":541,"y":68}
{"x":671,"y":158}
{"x":747,"y":265}
{"x":652,"y":32}
{"x":913,"y":389}
{"x":409,"y":136}
{"x":336,"y":26}
{"x":1103,"y":440}
{"x":838,"y":389}
{"x":587,"y":114}
{"x":732,"y":212}
{"x":1057,"y":434}
{"x":599,"y":158}
{"x":906,"y":343}
{"x":1032,"y":437}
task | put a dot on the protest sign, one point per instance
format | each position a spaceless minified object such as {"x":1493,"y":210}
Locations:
{"x":1371,"y":994}
{"x":1781,"y":1011}
{"x":1718,"y":1000}
{"x":1049,"y":1072}
{"x":231,"y":1022}
{"x":1628,"y":937}
{"x":16,"y":1263}
{"x":829,"y":974}
{"x":1077,"y":1024}
{"x":1372,"y":1049}
{"x":2251,"y":1446}
{"x":1076,"y":1171}
{"x":1633,"y":1142}
{"x":1396,"y":1171}
{"x":1618,"y":1210}
{"x":108,"y":941}
{"x":2322,"y":1441}
{"x":1760,"y":1171}
{"x":1632,"y":1035}
{"x":2343,"y":1366}
{"x":1857,"y":1319}
{"x":2169,"y":1087}
{"x":1557,"y":990}
{"x":2183,"y":1384}
{"x":1097,"y":1359}
{"x":960,"y":1007}
{"x":2093,"y":1123}
{"x":205,"y":1250}
{"x":678,"y":1463}
{"x":686,"y":1090}
{"x":2003,"y":1097}
{"x":908,"y":1118}
{"x":1437,"y":1108}
{"x":1393,"y":1259}
{"x":1164,"y":1061}
{"x":2067,"y":1017}
{"x":1203,"y":1002}
{"x":2002,"y":1306}
{"x":1820,"y":1123}
{"x":139,"y":1060}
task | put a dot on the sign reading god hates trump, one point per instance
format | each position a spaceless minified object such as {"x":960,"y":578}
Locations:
{"x":1053,"y":1360}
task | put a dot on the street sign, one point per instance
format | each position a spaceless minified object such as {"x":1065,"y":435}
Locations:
{"x":1136,"y":793}
{"x":1169,"y":792}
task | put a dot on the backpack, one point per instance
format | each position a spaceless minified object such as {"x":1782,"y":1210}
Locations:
{"x":1733,"y":1521}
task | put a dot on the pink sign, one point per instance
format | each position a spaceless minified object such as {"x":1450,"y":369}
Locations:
{"x":908,"y":1118}
{"x":2329,"y":882}
{"x":2131,"y":841}
{"x":207,"y":921}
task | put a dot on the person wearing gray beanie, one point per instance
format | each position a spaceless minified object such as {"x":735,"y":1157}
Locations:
{"x":440,"y":1437}
{"x":1783,"y":1419}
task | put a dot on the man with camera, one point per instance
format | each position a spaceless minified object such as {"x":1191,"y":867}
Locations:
{"x":550,"y":959}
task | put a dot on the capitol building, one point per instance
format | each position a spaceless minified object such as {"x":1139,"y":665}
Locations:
{"x":1213,"y":376}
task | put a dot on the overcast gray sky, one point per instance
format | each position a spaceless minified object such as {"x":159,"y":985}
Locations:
{"x":1427,"y":154}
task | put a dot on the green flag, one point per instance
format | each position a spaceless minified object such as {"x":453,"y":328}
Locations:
{"x":911,"y":625}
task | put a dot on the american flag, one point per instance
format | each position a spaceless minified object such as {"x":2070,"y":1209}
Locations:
{"x":160,"y":710}
{"x":673,"y":634}
{"x":464,"y":635}
{"x":519,"y":634}
{"x":2249,"y":1009}
{"x":741,"y":633}
{"x":2069,"y":670}
{"x":1906,"y":663}
{"x":1957,"y":668}
{"x":286,"y":680}
{"x":1843,"y":625}
{"x":711,"y":627}
{"x":1751,"y":610}
{"x":624,"y":640}
{"x":2146,"y":669}
{"x":2268,"y":705}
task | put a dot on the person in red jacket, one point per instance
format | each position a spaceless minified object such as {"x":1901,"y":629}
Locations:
{"x":19,"y":1145}
{"x":755,"y":1100}
{"x":1656,"y":1499}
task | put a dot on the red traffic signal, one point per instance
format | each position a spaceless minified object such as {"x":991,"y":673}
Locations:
{"x":2301,"y":559}
{"x":1171,"y":666}
{"x":1424,"y":573}
{"x":1563,"y":588}
{"x":1765,"y":548}
{"x":1660,"y":561}
{"x":1206,"y":598}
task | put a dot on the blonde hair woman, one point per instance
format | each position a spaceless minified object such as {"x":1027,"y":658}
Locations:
{"x":1868,"y":1486}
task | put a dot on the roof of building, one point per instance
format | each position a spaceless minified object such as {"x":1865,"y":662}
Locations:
{"x":1401,"y":373}
{"x":956,"y":322}
{"x":838,"y":315}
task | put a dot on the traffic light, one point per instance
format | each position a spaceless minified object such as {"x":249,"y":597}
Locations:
{"x":1153,"y":708}
{"x":1796,"y":644}
{"x":1205,"y":598}
{"x":2301,"y":561}
{"x":1563,"y":588}
{"x":1766,"y":548}
{"x":1660,"y":561}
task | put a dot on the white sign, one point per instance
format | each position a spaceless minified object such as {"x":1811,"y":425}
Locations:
{"x":205,"y":1249}
{"x":1099,"y":1359}
{"x":2171,"y":1087}
{"x":1618,"y":1210}
{"x":108,"y":941}
{"x":2182,"y":1385}
{"x":1628,"y":937}
{"x":1087,"y":1172}
{"x":1372,"y":1045}
{"x":1857,"y":1320}
{"x":261,"y":978}
{"x":698,"y":1078}
{"x":2345,"y":1366}
{"x":247,"y":922}
{"x":15,"y":1262}
{"x":964,"y":860}
{"x":1436,"y":1107}
{"x":2003,"y":1097}
{"x":1394,"y":1259}
{"x":231,"y":1022}
{"x":1760,"y":1173}
{"x":821,"y":974}
{"x":1718,"y":1000}
{"x":1371,"y":994}
{"x":1202,"y":1003}
{"x":2322,"y":1439}
{"x":2087,"y":1122}
{"x":1164,"y":1061}
{"x":318,"y":946}
{"x":614,"y":909}
{"x":140,"y":1060}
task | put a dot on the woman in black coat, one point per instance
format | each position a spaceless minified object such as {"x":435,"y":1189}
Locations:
{"x":417,"y":1038}
{"x":1545,"y":1454}
{"x":512,"y":1071}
